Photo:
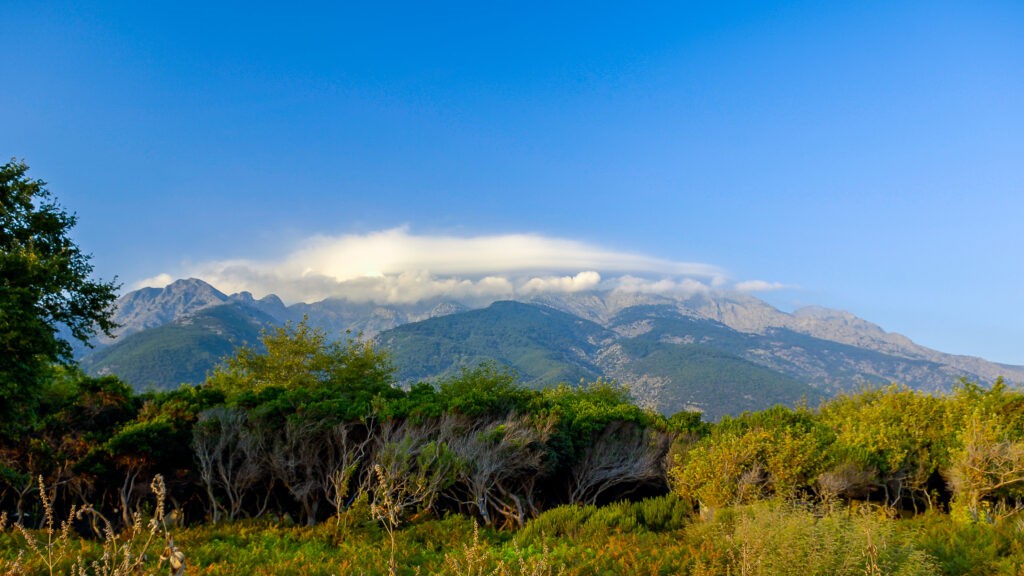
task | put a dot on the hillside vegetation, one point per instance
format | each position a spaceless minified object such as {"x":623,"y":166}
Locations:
{"x":298,"y":455}
{"x":542,"y":344}
{"x":762,"y":354}
{"x":180,"y":351}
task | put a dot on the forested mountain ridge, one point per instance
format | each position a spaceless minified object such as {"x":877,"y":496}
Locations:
{"x":183,"y":350}
{"x":544,"y":345}
{"x":718,"y":352}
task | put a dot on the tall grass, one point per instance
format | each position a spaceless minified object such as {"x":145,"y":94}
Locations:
{"x":778,"y":538}
{"x":50,"y":549}
{"x":475,"y":559}
{"x":659,"y":536}
{"x":970,"y":549}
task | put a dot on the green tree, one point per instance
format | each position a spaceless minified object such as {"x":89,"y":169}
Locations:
{"x":903,"y":435}
{"x":300,"y":357}
{"x":776,"y":451}
{"x":44,"y":285}
{"x":987,"y":472}
{"x":485,"y":389}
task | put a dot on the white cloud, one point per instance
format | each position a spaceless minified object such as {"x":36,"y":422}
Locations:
{"x":158,"y":281}
{"x":397,"y":266}
{"x":760,"y":286}
{"x":582,"y":281}
{"x":397,"y":251}
{"x":663,"y":286}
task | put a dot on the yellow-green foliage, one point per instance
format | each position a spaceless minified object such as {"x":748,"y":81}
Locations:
{"x":776,"y":538}
{"x":987,"y":472}
{"x":297,"y":356}
{"x":659,"y":514}
{"x":894,"y":429}
{"x":972,"y":438}
{"x":969,"y":548}
{"x":711,"y":472}
{"x":655,"y":537}
{"x":778,"y":451}
{"x":264,"y":547}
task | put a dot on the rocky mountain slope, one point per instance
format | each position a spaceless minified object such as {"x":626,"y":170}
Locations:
{"x":747,"y":314}
{"x":719,"y":352}
{"x":182,"y":350}
{"x":546,"y":346}
{"x":152,"y":307}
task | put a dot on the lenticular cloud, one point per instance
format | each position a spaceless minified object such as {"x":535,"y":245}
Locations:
{"x":397,"y":251}
{"x":395,"y":266}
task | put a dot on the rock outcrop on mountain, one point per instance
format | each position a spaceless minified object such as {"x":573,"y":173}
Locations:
{"x":184,"y":350}
{"x":152,"y":307}
{"x":715,"y":351}
{"x":748,"y":314}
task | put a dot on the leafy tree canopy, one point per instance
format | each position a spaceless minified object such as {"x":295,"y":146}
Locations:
{"x":44,"y":284}
{"x":486,"y":388}
{"x":301,"y":369}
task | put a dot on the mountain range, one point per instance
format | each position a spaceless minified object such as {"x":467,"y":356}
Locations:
{"x":721,"y":353}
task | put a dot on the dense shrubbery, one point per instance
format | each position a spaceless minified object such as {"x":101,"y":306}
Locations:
{"x":309,"y":426}
{"x":777,"y":538}
{"x":312,"y":429}
{"x":963,"y":453}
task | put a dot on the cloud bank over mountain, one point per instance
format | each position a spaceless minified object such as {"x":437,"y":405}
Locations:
{"x":396,"y":266}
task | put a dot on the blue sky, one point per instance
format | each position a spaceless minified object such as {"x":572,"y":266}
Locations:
{"x":866,"y":156}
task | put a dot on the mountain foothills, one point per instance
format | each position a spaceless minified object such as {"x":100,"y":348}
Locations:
{"x":721,"y":353}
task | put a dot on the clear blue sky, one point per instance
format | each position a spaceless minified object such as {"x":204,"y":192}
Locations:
{"x":870,"y":155}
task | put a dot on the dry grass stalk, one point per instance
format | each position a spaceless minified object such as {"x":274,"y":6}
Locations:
{"x":542,"y":566}
{"x":473,"y":561}
{"x":8,"y":568}
{"x":120,"y":558}
{"x":387,"y":510}
{"x":53,"y":552}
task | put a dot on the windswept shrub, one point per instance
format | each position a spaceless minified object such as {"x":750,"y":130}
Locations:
{"x":847,"y":479}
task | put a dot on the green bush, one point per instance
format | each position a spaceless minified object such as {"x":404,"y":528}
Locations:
{"x":969,"y":549}
{"x":561,"y":522}
{"x":772,"y":537}
{"x":664,"y":513}
{"x":660,"y":514}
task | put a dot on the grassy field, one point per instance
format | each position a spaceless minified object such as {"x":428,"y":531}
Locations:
{"x":658,"y":536}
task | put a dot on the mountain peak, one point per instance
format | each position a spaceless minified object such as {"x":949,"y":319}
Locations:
{"x":822,"y":313}
{"x":153,"y":307}
{"x":193,"y":285}
{"x":716,"y":343}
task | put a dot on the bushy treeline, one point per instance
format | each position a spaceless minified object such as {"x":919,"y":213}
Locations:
{"x":962,"y":452}
{"x":307,"y":428}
